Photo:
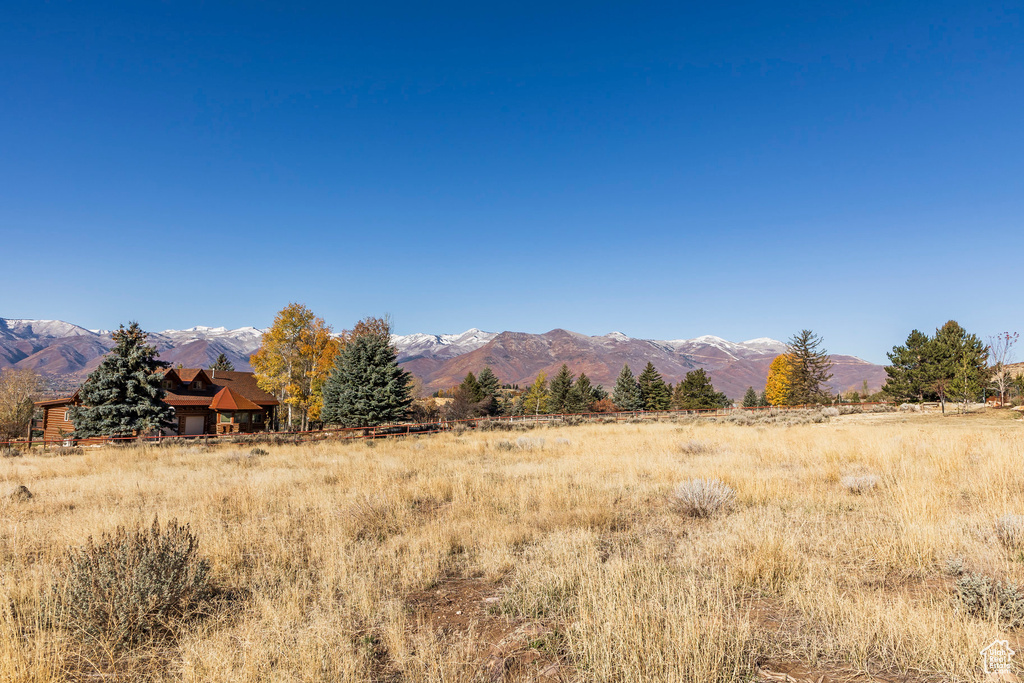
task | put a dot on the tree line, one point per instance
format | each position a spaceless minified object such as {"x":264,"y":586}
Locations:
{"x":482,"y":394}
{"x":351,"y":379}
{"x":952,"y":365}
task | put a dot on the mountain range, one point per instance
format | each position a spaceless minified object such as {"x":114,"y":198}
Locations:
{"x":60,"y":349}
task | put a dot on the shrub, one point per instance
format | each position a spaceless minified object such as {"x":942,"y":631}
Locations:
{"x":256,"y":452}
{"x":831,"y":411}
{"x":860,"y":484}
{"x":526,"y":443}
{"x":703,"y":497}
{"x":130,"y":587}
{"x":504,"y":445}
{"x":695,"y":447}
{"x":1010,"y":531}
{"x":983,"y":597}
{"x":9,"y":452}
{"x":955,"y":566}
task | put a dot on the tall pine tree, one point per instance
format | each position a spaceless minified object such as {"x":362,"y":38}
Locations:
{"x":750,"y":399}
{"x":960,"y":369}
{"x":582,"y":396}
{"x":913,"y":364}
{"x":696,"y":392}
{"x":490,"y":390}
{"x":366,"y":387}
{"x":810,"y":369}
{"x":654,"y":394}
{"x":626,"y":394}
{"x":123,"y":396}
{"x":560,"y":392}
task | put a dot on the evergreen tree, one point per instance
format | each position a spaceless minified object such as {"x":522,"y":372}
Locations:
{"x":762,"y":399}
{"x":810,"y":368}
{"x":582,"y":396}
{"x":750,"y":399}
{"x":627,"y":393}
{"x":123,"y":396}
{"x":599,"y":392}
{"x":471,"y":390}
{"x":653,"y":391}
{"x":489,"y":384}
{"x":695,"y":392}
{"x":960,"y":364}
{"x":560,"y":393}
{"x":366,"y":387}
{"x":913,"y":364}
{"x":222,"y":363}
{"x":490,"y":390}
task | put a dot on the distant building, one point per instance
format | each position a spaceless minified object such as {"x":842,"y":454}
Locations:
{"x":204,"y":402}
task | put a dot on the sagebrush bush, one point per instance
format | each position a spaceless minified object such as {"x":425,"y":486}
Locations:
{"x":860,"y":484}
{"x":695,"y":447}
{"x":703,"y":497}
{"x":831,"y":411}
{"x":986,"y":598}
{"x":132,"y":586}
{"x":1010,"y":531}
{"x":9,"y":452}
{"x":526,"y":443}
{"x":256,"y":452}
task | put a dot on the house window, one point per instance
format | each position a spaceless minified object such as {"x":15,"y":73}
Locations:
{"x":225,"y":417}
{"x":198,"y":386}
{"x":67,"y":416}
{"x":243,"y":418}
{"x":166,"y":384}
{"x":257,"y":417}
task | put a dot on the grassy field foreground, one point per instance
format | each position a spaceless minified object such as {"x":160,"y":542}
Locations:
{"x":550,"y":555}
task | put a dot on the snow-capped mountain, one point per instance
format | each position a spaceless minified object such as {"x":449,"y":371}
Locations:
{"x":711,"y":346}
{"x":440,"y":345}
{"x":55,"y":347}
{"x":13,"y":328}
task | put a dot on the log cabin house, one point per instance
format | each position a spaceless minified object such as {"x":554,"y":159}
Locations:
{"x":204,"y":402}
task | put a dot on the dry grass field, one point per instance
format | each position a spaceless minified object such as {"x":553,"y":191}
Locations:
{"x":496,"y":556}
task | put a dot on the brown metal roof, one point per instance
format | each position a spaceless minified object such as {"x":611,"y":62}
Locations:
{"x":242,"y":383}
{"x":190,"y":374}
{"x":228,"y":399}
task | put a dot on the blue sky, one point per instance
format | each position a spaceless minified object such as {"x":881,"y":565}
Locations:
{"x":667,"y":170}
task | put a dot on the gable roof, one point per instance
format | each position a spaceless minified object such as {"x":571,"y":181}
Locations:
{"x":192,"y":374}
{"x":241,"y":383}
{"x":228,"y":399}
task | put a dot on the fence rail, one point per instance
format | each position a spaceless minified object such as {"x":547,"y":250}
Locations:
{"x":423,"y":428}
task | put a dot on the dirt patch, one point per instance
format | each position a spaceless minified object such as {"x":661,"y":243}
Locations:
{"x":509,"y":650}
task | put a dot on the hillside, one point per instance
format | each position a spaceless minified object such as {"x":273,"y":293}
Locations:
{"x":518,"y":358}
{"x":60,"y":349}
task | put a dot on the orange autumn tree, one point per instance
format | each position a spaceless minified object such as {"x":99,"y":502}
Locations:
{"x":294,"y":360}
{"x":779,"y":380}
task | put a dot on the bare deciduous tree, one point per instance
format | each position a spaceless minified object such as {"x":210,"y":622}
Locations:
{"x":1000,"y":354}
